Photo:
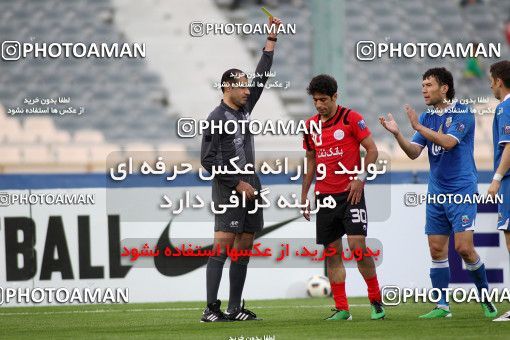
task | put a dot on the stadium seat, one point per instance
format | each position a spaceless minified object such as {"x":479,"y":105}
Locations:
{"x":88,"y":136}
{"x":72,"y":21}
{"x":100,"y":152}
{"x":10,"y":154}
{"x":176,"y":151}
{"x":37,"y":154}
{"x":71,"y":154}
{"x":21,"y":137}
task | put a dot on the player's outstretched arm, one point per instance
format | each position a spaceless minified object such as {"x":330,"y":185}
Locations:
{"x":307,"y":181}
{"x":411,"y":150}
{"x":446,"y":141}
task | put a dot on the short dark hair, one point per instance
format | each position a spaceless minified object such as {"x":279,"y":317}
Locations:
{"x":443,"y":77}
{"x":324,"y":84}
{"x":501,"y":70}
{"x":231,"y":76}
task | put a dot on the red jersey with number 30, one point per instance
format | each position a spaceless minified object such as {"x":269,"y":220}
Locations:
{"x":339,"y":141}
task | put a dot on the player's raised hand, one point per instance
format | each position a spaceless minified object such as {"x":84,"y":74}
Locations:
{"x":389,"y":124}
{"x":274,"y":24}
{"x":412,"y":116}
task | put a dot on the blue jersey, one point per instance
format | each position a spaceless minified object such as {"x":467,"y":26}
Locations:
{"x":452,"y":171}
{"x":501,"y":131}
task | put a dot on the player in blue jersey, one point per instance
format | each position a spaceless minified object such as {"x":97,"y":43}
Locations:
{"x":447,"y":130}
{"x":500,"y":85}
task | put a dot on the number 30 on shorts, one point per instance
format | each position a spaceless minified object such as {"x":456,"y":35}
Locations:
{"x":358,"y":215}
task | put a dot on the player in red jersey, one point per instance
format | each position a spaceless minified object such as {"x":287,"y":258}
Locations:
{"x":342,"y":132}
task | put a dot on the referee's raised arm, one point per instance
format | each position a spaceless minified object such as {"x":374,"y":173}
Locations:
{"x":274,"y":23}
{"x":264,"y":65}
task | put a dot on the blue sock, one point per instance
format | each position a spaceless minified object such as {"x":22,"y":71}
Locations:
{"x":478,"y":274}
{"x":440,"y":277}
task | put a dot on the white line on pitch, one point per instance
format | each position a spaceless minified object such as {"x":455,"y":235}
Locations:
{"x":170,"y":309}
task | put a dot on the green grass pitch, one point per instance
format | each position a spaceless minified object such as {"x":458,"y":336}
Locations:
{"x":283,"y":319}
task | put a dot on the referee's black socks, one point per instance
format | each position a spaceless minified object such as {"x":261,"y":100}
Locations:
{"x":237,"y":276}
{"x":213,"y":276}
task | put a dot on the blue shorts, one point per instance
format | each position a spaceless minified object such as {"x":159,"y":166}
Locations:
{"x":504,"y":208}
{"x":441,"y":219}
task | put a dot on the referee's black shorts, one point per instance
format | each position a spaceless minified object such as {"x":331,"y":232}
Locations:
{"x":237,"y":219}
{"x":345,"y":218}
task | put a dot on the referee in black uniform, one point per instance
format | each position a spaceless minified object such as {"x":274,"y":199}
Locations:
{"x":235,"y":228}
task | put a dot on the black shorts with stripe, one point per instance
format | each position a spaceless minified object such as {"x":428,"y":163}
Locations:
{"x":345,"y":218}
